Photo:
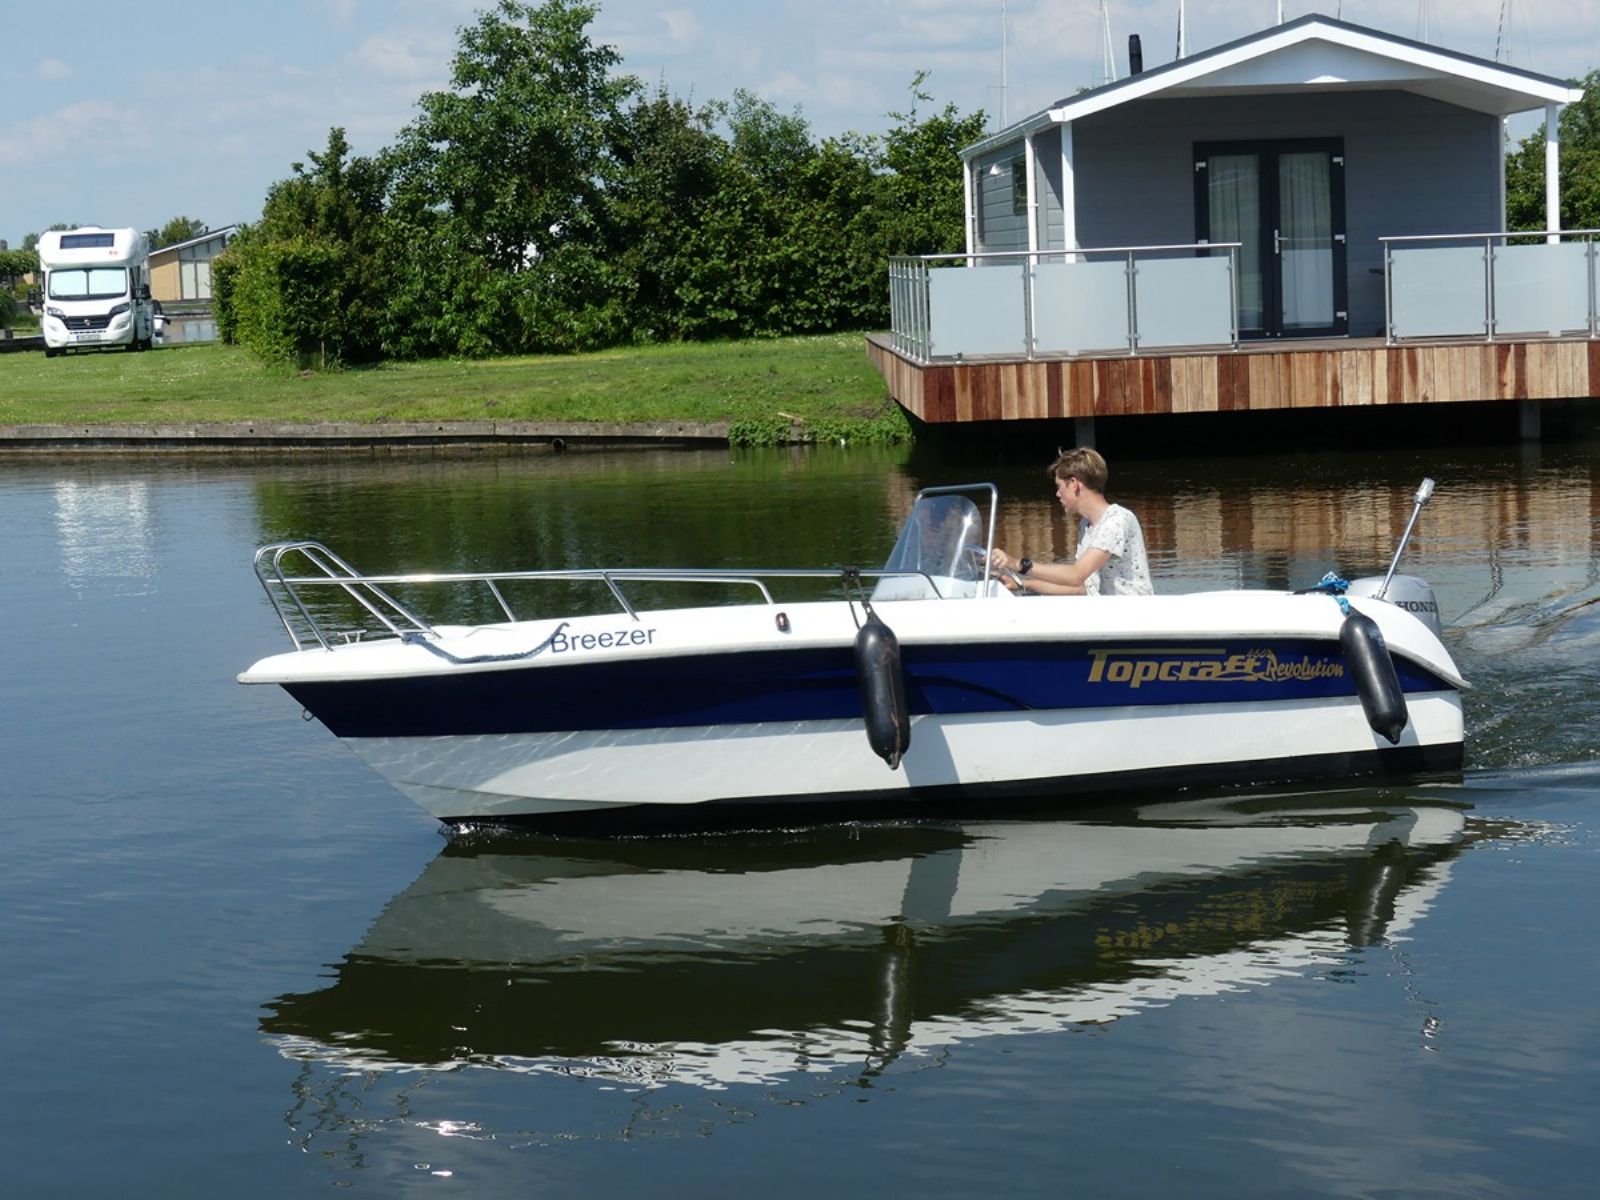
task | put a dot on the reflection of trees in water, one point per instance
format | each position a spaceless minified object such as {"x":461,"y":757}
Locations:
{"x":647,"y":508}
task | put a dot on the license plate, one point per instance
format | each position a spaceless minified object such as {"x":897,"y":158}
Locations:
{"x":86,"y":337}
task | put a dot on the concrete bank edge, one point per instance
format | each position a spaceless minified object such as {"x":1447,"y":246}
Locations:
{"x":226,"y":435}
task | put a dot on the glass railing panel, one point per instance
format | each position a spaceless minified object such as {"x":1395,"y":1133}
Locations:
{"x":1184,"y":301}
{"x":1437,"y":291}
{"x":1080,"y":306}
{"x":977,"y":310}
{"x":1541,"y":288}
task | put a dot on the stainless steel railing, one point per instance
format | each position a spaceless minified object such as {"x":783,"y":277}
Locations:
{"x":1030,"y":311}
{"x":370,"y":592}
{"x":1491,"y":285}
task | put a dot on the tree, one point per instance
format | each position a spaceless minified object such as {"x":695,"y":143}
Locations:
{"x":14,"y":264}
{"x":1580,"y":168}
{"x":923,"y":199}
{"x":667,"y":166}
{"x":499,"y":183}
{"x":544,"y":202}
{"x":514,"y":152}
{"x":179,"y":229}
{"x":307,"y":280}
{"x":772,"y":145}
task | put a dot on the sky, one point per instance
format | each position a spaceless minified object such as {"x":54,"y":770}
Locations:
{"x":131,"y":114}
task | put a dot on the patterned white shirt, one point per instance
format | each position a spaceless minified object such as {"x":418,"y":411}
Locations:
{"x":1127,"y":571}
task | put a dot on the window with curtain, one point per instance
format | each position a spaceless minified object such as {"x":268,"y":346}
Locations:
{"x":1233,"y":183}
{"x":1305,"y":226}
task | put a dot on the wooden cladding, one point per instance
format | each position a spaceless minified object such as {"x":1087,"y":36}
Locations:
{"x":1240,"y":380}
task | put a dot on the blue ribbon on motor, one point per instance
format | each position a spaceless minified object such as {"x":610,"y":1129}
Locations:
{"x":1333,"y":584}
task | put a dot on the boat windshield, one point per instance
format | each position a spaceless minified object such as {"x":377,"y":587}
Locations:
{"x":944,"y":538}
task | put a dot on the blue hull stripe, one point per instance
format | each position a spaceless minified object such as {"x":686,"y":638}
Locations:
{"x":820,"y":684}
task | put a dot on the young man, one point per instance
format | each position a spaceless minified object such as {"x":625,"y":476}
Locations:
{"x":1111,"y":558}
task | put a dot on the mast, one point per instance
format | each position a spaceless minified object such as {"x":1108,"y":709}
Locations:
{"x":1502,"y":34}
{"x":1005,"y":118}
{"x":1105,"y":37}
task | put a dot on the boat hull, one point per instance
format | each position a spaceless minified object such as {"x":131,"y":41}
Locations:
{"x":714,"y":712}
{"x":964,"y":759}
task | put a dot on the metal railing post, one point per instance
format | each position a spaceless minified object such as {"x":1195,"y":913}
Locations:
{"x":1233,"y":297}
{"x":908,"y":306}
{"x":1388,"y":293}
{"x":894,"y":306}
{"x":1488,"y":288}
{"x":1030,"y":331}
{"x":1594,"y":314}
{"x":925,"y":311}
{"x":1133,"y":308}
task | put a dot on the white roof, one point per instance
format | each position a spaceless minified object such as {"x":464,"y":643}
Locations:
{"x":1313,"y":53}
{"x":110,"y":246}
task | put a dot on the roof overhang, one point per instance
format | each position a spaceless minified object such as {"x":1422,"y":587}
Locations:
{"x":209,"y":235}
{"x":1312,"y":54}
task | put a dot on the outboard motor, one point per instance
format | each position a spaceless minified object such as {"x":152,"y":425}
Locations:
{"x":1409,"y":592}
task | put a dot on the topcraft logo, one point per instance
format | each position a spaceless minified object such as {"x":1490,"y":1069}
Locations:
{"x":1206,"y":665}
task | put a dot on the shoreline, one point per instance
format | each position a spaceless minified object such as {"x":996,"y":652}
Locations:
{"x":224,"y":436}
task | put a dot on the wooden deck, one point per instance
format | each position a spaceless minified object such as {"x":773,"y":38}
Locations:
{"x":1323,"y":373}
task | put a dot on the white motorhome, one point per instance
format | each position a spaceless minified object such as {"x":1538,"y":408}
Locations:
{"x":96,"y":289}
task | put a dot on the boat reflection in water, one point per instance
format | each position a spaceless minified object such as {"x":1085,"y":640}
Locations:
{"x":742,"y":960}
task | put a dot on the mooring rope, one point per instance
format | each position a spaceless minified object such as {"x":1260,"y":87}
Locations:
{"x":421,"y":639}
{"x":1331,"y":584}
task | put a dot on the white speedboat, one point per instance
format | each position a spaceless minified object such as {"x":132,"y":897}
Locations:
{"x":932,"y":684}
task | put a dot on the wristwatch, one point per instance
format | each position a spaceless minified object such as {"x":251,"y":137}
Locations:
{"x":1024,"y":566}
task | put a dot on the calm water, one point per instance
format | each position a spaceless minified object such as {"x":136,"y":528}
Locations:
{"x":232,"y":959}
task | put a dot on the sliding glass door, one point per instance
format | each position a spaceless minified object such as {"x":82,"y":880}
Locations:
{"x":1284,"y":203}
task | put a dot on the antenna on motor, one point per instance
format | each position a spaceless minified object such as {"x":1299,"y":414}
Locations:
{"x":1424,"y":494}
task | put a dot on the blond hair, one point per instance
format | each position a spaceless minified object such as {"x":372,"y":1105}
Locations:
{"x":1083,"y":464}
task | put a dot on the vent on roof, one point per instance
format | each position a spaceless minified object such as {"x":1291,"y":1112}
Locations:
{"x":1135,"y":55}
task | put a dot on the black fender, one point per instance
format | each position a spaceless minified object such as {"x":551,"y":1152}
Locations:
{"x":1367,"y":656}
{"x":883,"y":691}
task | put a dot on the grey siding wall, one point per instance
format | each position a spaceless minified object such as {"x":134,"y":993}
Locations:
{"x":1412,"y":165}
{"x":1000,"y":228}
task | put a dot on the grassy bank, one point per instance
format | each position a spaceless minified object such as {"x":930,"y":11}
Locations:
{"x":761,"y":389}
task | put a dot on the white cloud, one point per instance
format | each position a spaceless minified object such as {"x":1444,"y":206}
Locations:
{"x":52,"y":70}
{"x":403,"y":55}
{"x":683,"y":27}
{"x":85,"y":128}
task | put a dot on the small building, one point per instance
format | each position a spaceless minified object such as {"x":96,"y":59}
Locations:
{"x":1317,"y":183}
{"x":182,"y":272}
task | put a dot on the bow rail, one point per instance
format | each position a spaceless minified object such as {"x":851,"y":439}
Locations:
{"x":321,"y":568}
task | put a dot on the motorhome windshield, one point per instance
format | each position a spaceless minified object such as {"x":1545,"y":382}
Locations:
{"x":88,"y":283}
